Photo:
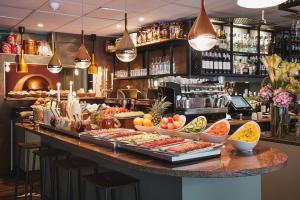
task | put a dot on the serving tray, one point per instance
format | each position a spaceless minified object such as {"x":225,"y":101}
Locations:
{"x":64,"y":132}
{"x":171,"y":158}
{"x":98,"y":141}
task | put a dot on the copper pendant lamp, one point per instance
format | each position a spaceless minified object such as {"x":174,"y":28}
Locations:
{"x":126,"y":50}
{"x":22,"y":67}
{"x":93,"y":68}
{"x":54,"y":65}
{"x":82,"y":58}
{"x":202,"y":36}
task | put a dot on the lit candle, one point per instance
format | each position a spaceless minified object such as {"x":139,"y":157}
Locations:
{"x":105,"y":82}
{"x":71,"y":87}
{"x":112,"y":81}
{"x":58,"y":91}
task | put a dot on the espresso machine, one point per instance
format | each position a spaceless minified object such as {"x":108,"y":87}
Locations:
{"x":208,"y":99}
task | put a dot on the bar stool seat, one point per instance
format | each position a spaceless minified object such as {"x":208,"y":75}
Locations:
{"x":29,"y":145}
{"x":111,"y":180}
{"x":51,"y":154}
{"x":70,"y":165}
{"x":26,"y":147}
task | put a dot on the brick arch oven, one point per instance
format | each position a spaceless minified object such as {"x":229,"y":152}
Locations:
{"x":33,"y":82}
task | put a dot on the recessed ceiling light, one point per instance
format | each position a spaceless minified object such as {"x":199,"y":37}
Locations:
{"x":40,"y":25}
{"x":118,"y":26}
{"x":141,"y":19}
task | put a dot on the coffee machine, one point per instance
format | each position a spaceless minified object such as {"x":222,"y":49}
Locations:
{"x":207,"y":99}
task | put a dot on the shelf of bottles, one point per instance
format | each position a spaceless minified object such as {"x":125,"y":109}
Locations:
{"x":287,"y":45}
{"x":235,"y":54}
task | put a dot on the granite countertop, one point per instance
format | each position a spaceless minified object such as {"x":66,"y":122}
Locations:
{"x":289,"y":139}
{"x":229,"y":164}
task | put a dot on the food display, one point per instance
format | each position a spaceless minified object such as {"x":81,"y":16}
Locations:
{"x":218,"y":129}
{"x":247,"y":133}
{"x":162,"y":142}
{"x":217,"y":132}
{"x":130,"y":114}
{"x":174,"y":122}
{"x":197,"y":125}
{"x":115,"y":110}
{"x":246,"y":137}
{"x":186,"y":147}
{"x":142,"y":138}
{"x":158,"y":109}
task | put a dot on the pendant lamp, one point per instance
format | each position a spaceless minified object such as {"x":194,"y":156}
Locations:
{"x":202,"y":36}
{"x":259,"y":3}
{"x":22,"y":67}
{"x":93,"y":68}
{"x":82,"y":58}
{"x":54,"y":65}
{"x":126,"y":50}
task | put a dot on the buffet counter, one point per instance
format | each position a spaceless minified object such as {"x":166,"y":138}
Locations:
{"x":186,"y":181}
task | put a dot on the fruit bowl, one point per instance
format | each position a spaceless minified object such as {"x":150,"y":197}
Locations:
{"x":208,"y":135}
{"x":241,"y":139}
{"x":147,"y":129}
{"x":167,"y":131}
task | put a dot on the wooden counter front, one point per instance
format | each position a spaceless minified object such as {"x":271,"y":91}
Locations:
{"x":230,"y":164}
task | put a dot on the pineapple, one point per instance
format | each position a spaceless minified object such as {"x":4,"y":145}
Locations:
{"x":158,"y":109}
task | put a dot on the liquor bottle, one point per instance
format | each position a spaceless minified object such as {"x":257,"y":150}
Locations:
{"x":227,"y":64}
{"x":221,"y":59}
{"x":221,"y":63}
{"x":211,"y":63}
{"x":246,"y":67}
{"x":204,"y":62}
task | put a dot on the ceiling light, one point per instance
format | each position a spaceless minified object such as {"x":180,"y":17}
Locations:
{"x":40,"y":25}
{"x":82,"y":58}
{"x":118,"y":26}
{"x":93,"y":68}
{"x":54,"y":65}
{"x":54,"y":5}
{"x":22,"y":67}
{"x":126,"y":50}
{"x":141,"y":19}
{"x":202,"y":36}
{"x":259,"y":3}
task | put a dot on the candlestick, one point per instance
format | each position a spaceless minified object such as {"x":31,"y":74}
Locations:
{"x":58,"y":91}
{"x":112,"y":81}
{"x":71,"y":87}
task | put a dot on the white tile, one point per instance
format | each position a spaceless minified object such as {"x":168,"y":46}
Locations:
{"x":90,"y":25}
{"x":28,"y":4}
{"x":7,"y":23}
{"x":50,"y":21}
{"x":13,"y":12}
{"x":110,"y":14}
{"x":139,"y":6}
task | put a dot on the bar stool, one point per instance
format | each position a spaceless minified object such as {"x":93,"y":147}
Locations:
{"x":109,"y":181}
{"x":73,"y":164}
{"x":26,"y":147}
{"x":51,"y":154}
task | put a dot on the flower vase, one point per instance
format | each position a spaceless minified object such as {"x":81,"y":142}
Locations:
{"x":279,"y":121}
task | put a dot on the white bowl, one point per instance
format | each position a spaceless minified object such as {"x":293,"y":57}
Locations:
{"x":172,"y":131}
{"x":215,"y":138}
{"x":147,"y":129}
{"x":246,"y":146}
